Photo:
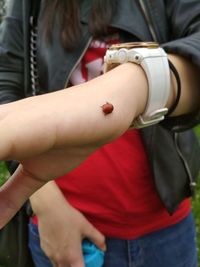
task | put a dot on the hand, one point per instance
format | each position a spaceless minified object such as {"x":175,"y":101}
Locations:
{"x":61,"y":233}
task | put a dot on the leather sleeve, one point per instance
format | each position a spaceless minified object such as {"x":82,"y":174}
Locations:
{"x":184,"y":26}
{"x":11,"y":54}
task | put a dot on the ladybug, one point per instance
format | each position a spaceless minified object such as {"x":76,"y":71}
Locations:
{"x":107,"y":108}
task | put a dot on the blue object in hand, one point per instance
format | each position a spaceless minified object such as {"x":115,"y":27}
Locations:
{"x":93,"y":256}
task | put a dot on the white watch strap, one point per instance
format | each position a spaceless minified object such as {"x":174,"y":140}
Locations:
{"x":155,"y":64}
{"x":158,"y":76}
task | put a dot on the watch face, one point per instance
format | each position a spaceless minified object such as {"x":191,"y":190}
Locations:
{"x":134,"y":45}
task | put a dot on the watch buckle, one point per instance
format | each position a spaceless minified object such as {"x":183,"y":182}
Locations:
{"x":148,"y":120}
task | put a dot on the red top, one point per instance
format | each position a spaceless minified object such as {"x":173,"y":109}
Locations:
{"x":114,"y":187}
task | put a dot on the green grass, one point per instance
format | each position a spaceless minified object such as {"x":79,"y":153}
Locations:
{"x":196,"y":211}
{"x":3,"y":173}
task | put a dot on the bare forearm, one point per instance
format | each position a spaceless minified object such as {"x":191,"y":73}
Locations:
{"x":47,"y":197}
{"x":74,"y":117}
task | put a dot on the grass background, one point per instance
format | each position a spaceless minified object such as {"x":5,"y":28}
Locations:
{"x":195,"y":200}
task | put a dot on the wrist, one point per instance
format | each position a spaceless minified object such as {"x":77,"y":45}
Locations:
{"x":38,"y":206}
{"x":47,"y":199}
{"x":153,"y":60}
{"x":132,"y":84}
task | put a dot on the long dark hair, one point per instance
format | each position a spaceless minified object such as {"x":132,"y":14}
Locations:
{"x":67,"y":14}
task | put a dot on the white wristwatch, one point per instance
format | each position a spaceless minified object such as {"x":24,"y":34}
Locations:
{"x":153,"y":60}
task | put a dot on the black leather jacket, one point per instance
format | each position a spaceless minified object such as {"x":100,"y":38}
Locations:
{"x":172,"y":148}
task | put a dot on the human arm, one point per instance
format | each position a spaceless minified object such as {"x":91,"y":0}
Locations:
{"x":62,"y":228}
{"x":75,"y":111}
{"x":76,"y":126}
{"x":13,"y":62}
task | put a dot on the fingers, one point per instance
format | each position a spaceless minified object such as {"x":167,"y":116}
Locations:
{"x":95,"y":236}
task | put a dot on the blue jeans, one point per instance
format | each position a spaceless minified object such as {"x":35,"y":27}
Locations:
{"x":174,"y":246}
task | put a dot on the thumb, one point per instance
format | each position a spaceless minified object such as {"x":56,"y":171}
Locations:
{"x":96,"y":237}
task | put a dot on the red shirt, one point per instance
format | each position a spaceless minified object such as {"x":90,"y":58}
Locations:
{"x":114,"y":187}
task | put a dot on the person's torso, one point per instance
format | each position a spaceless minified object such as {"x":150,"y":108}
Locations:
{"x":114,"y":187}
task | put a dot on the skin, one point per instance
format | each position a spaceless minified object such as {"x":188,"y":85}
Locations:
{"x":60,"y":125}
{"x":65,"y":116}
{"x":73,"y":227}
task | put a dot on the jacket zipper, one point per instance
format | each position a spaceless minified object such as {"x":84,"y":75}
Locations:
{"x":192,"y":182}
{"x":146,"y":16}
{"x":78,"y":61}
